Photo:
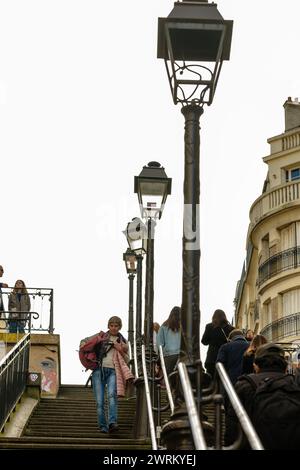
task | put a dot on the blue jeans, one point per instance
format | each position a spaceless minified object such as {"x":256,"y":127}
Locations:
{"x":15,"y":327}
{"x":101,"y":377}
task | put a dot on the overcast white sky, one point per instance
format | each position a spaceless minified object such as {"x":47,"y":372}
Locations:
{"x":84,"y":104}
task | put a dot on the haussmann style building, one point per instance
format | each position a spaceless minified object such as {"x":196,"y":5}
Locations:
{"x":267,"y":296}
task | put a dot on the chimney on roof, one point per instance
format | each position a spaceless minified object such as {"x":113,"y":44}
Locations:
{"x":292,"y":114}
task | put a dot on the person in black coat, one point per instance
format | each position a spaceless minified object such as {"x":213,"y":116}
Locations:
{"x":215,"y":334}
{"x":231,"y":354}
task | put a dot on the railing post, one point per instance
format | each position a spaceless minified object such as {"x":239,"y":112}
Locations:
{"x":51,"y":328}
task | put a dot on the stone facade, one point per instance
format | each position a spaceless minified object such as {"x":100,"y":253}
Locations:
{"x":268,"y":294}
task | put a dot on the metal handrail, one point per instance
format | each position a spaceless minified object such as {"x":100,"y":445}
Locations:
{"x":19,"y":319}
{"x":36,"y":293}
{"x":136,"y":367}
{"x":13,"y":374}
{"x":283,"y":327}
{"x":166,"y":379}
{"x":148,"y":400}
{"x":129,"y":353}
{"x":194,"y":420}
{"x":240,"y":411}
{"x":282,"y":261}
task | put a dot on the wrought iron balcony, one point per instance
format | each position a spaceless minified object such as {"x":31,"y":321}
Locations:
{"x":283,"y":261}
{"x":279,"y":329}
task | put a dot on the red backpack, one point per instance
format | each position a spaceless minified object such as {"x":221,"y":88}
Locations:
{"x":87,"y":354}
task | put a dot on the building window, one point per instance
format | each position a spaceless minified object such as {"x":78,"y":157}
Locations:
{"x":267,"y":313}
{"x":292,"y":174}
{"x":291,"y":302}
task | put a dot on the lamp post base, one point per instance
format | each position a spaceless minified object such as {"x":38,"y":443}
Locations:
{"x":177,"y":433}
{"x":141,"y":429}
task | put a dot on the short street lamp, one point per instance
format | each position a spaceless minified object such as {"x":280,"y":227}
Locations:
{"x":152,"y":187}
{"x":131,"y":265}
{"x":193,"y":40}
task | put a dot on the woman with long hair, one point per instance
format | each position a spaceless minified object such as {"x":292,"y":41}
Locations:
{"x":249,"y":354}
{"x":168,"y":337}
{"x":215,"y":334}
{"x":19,"y":307}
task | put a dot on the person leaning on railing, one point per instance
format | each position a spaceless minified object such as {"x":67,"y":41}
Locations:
{"x":19,"y":307}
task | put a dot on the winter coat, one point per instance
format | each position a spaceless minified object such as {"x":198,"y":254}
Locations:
{"x":123,"y":373}
{"x":231,"y":356}
{"x":15,"y":306}
{"x":214,"y":337}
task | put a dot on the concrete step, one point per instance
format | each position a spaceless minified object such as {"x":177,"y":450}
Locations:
{"x":63,"y":443}
{"x":75,"y":433}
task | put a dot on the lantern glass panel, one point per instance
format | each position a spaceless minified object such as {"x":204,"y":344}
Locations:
{"x":195,"y":42}
{"x":131,"y":263}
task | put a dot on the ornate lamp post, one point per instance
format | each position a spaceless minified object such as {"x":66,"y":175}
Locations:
{"x":136,"y":235}
{"x":193,"y":41}
{"x":152,"y":187}
{"x":131,"y":266}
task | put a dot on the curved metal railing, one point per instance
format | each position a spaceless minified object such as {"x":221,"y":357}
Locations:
{"x":38,"y":297}
{"x":192,"y":410}
{"x":166,"y":379}
{"x":25,"y":320}
{"x":241,"y":414}
{"x":283,"y":261}
{"x":282,"y":328}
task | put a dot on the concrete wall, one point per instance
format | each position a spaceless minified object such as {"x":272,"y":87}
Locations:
{"x":44,"y":359}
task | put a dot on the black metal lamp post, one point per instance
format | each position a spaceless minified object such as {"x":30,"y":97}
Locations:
{"x":193,"y":41}
{"x":152,"y":187}
{"x":131,"y":267}
{"x":136,"y":235}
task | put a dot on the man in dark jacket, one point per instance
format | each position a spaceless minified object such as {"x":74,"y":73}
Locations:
{"x":231,"y":354}
{"x":271,"y":399}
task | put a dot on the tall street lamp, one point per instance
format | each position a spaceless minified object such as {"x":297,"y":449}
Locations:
{"x":152,"y":187}
{"x":193,"y":40}
{"x":136,"y":236}
{"x":131,"y":266}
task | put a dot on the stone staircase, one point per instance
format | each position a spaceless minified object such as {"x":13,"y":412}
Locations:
{"x":70,"y":422}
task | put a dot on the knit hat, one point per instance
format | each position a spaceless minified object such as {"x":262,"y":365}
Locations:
{"x":269,"y":349}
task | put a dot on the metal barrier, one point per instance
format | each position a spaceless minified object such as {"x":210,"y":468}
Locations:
{"x":194,"y":420}
{"x":282,"y":328}
{"x":13,"y":376}
{"x":166,"y":379}
{"x":241,"y":414}
{"x":148,"y":399}
{"x":38,"y":309}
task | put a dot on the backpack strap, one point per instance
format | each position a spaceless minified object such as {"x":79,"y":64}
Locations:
{"x":227,"y":340}
{"x":251,"y":379}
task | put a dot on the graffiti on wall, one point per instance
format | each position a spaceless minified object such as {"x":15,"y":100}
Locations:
{"x":49,"y":375}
